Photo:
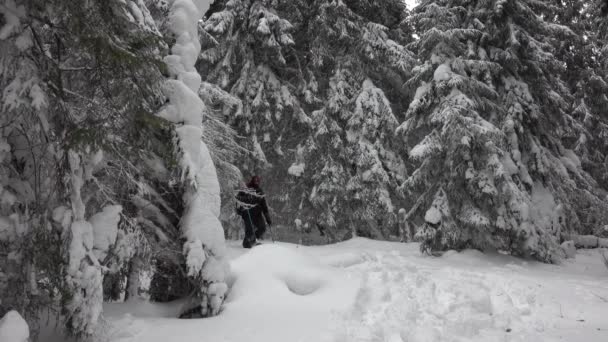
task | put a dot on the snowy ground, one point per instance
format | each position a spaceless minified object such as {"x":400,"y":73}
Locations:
{"x":363,"y":290}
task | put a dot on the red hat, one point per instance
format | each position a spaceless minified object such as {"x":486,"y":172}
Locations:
{"x":255,"y":181}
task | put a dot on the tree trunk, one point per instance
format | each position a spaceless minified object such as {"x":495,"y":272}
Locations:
{"x":133,"y":279}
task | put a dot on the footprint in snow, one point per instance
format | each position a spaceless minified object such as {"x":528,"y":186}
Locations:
{"x":125,"y":329}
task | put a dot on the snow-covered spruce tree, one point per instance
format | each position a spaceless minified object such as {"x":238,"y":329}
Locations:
{"x":585,"y":75}
{"x":87,"y":168}
{"x":22,"y":108}
{"x":245,"y":48}
{"x":587,"y":60}
{"x":596,"y":15}
{"x":488,"y":128}
{"x":584,"y":56}
{"x":204,"y":245}
{"x":353,"y":161}
{"x":66,"y":131}
{"x":311,"y":54}
{"x":116,"y":47}
{"x":248,"y":54}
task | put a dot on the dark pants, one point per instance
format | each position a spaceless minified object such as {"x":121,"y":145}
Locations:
{"x":252,"y":232}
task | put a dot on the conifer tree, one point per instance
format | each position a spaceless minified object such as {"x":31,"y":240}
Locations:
{"x":354,"y":128}
{"x":588,"y":61}
{"x":315,"y":91}
{"x":67,"y":125}
{"x":585,"y":75}
{"x":489,"y":129}
{"x":89,"y":172}
{"x":247,"y":43}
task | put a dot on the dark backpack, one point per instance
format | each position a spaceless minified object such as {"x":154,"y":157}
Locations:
{"x":246,"y":199}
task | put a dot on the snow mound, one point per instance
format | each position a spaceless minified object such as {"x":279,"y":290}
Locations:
{"x":344,"y":259}
{"x":274,"y":270}
{"x":569,"y":248}
{"x":585,"y":241}
{"x":279,"y":292}
{"x":373,"y":291}
{"x":302,"y":286}
{"x":13,"y":328}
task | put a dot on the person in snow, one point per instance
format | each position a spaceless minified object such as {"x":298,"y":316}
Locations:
{"x":252,"y":207}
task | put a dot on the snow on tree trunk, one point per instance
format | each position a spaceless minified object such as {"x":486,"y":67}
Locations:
{"x":84,"y":273}
{"x":13,"y":328}
{"x":205,"y":246}
{"x":105,"y":230}
{"x":133,"y":280}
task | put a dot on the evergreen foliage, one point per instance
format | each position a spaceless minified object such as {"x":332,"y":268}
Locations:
{"x":126,"y":125}
{"x":89,"y":174}
{"x":490,"y":128}
{"x":308,"y":75}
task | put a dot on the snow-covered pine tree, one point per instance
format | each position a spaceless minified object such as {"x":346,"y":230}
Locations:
{"x":582,"y":57}
{"x":65,"y":129}
{"x":87,"y":170}
{"x":596,"y":15}
{"x":488,"y":128}
{"x":354,"y":164}
{"x":23,"y":103}
{"x":248,"y":54}
{"x":325,"y":44}
{"x":352,"y":159}
{"x":247,"y":44}
{"x":443,"y":123}
{"x":368,"y":36}
{"x":87,"y":148}
{"x":584,"y":73}
{"x":585,"y":60}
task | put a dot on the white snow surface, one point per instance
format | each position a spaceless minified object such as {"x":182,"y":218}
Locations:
{"x":365,"y":290}
{"x":13,"y":328}
{"x":569,"y":249}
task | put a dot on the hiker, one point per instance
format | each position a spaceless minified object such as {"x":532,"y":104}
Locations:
{"x":252,"y":207}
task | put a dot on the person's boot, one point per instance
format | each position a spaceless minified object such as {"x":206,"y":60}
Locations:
{"x":259,"y":234}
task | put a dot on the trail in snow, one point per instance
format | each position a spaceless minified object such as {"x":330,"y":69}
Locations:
{"x":371,"y":291}
{"x":471,"y":297}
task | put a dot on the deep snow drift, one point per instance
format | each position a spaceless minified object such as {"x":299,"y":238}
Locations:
{"x":13,"y":328}
{"x":363,"y":290}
